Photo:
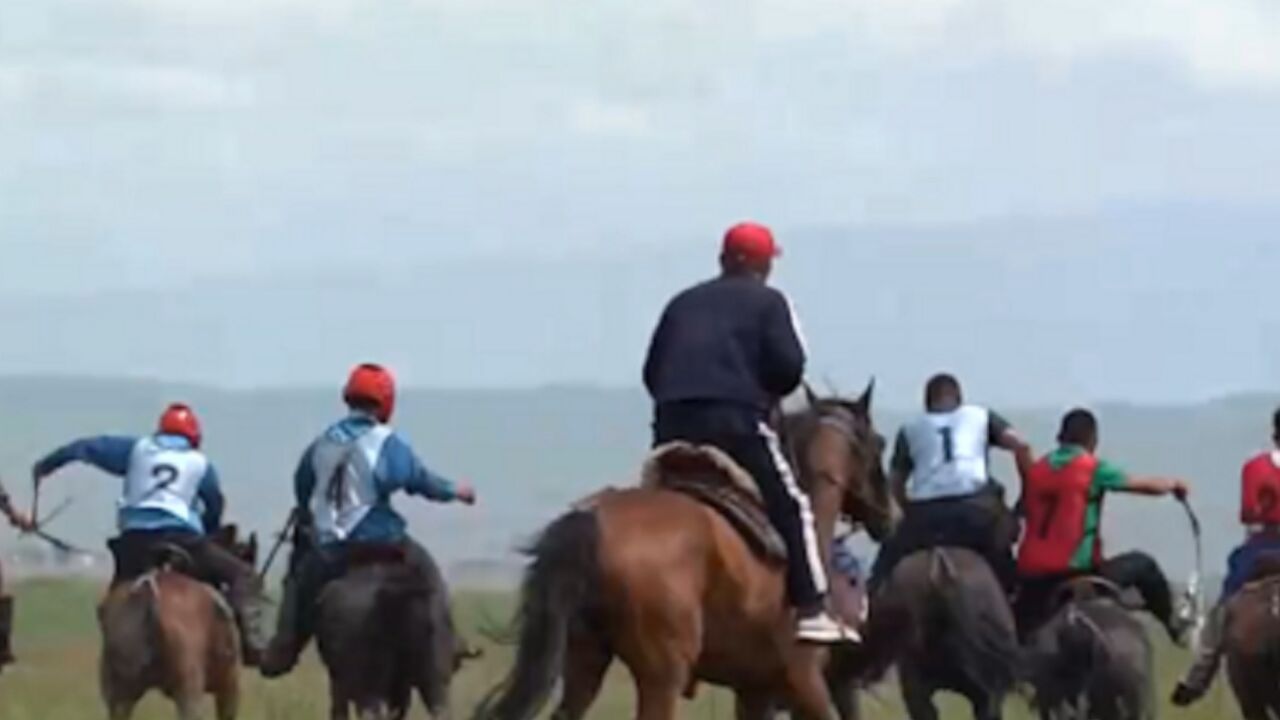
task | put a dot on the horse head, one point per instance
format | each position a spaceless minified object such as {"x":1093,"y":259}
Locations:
{"x":834,"y":439}
{"x":228,"y":538}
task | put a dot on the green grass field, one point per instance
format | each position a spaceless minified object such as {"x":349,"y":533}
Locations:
{"x":57,"y":641}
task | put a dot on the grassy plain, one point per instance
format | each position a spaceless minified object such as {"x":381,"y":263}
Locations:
{"x":57,"y":678}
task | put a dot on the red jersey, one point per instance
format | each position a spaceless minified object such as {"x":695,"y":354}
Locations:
{"x":1260,"y":490}
{"x":1058,"y":501}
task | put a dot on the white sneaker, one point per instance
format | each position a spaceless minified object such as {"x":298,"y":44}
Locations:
{"x":825,"y":630}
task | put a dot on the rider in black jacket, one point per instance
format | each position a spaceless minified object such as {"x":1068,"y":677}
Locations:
{"x":724,"y":353}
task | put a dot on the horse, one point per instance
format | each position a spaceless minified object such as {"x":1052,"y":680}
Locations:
{"x":948,"y":625}
{"x":1252,"y":641}
{"x":670,"y":586}
{"x":168,"y":631}
{"x":1092,"y":660}
{"x":384,"y":631}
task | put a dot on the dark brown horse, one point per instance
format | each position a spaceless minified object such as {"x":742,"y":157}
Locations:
{"x":950,"y":628}
{"x":1092,"y":660}
{"x":385,"y":631}
{"x":167,"y":631}
{"x":1252,"y":642}
{"x":667,"y":585}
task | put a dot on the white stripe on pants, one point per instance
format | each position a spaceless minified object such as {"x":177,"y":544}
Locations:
{"x":813,"y":555}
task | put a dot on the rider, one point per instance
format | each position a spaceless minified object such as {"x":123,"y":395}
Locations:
{"x":940,"y":476}
{"x":21,"y":522}
{"x":1062,"y":538}
{"x":1260,"y":514}
{"x":343,"y":488}
{"x":724,"y":353}
{"x":171,"y":497}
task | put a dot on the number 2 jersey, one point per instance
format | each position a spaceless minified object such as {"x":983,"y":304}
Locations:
{"x":168,"y":484}
{"x":1062,"y":506}
{"x":1260,"y":491}
{"x":944,"y":455}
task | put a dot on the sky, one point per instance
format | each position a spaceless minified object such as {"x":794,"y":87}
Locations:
{"x":503,"y":192}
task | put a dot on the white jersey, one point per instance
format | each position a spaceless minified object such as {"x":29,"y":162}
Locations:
{"x":345,"y":489}
{"x":946,"y":453}
{"x":166,"y":479}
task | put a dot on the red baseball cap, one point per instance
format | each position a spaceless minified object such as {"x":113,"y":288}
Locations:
{"x":751,"y":241}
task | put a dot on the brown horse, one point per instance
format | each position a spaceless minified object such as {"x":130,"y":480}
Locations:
{"x":1252,"y":642}
{"x":170,"y":632}
{"x":667,"y":584}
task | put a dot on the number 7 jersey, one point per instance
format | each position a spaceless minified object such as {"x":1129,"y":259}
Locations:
{"x":1062,"y":506}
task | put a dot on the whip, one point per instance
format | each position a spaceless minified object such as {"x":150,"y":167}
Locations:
{"x":1193,"y":595}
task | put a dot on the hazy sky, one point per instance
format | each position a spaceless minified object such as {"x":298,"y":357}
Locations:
{"x":156,"y":151}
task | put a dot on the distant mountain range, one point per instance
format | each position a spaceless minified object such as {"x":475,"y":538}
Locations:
{"x":531,"y":452}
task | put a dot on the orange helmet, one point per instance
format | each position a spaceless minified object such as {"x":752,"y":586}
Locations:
{"x":371,"y":384}
{"x":178,"y":419}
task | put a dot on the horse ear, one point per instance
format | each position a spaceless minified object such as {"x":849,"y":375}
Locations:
{"x":864,"y":400}
{"x":809,"y":395}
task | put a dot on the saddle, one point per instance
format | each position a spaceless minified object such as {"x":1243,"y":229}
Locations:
{"x":367,"y":554}
{"x":134,"y":560}
{"x":1092,"y":587}
{"x":708,"y":475}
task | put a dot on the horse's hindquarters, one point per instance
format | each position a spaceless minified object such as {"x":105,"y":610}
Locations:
{"x":382,"y":633}
{"x":167,"y":632}
{"x":686,"y":589}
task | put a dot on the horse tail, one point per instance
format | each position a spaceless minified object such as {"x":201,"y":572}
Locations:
{"x":560,"y":583}
{"x":131,"y":631}
{"x":1081,"y":643}
{"x":983,"y":644}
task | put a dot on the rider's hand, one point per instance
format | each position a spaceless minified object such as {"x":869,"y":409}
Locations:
{"x":21,"y":521}
{"x":465,"y":494}
{"x":1179,"y":489}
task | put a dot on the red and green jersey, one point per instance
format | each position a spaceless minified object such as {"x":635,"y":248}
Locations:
{"x":1063,"y":507}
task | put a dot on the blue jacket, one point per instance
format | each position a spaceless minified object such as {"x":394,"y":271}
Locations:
{"x":394,"y":467}
{"x":137,"y":508}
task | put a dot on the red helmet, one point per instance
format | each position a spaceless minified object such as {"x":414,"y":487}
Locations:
{"x":372,"y":384}
{"x":752,"y":242}
{"x":178,"y":419}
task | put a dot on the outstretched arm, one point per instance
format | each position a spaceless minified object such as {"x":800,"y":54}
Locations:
{"x":1111,"y":477}
{"x":403,"y":471}
{"x":1157,"y":486}
{"x":107,"y":453}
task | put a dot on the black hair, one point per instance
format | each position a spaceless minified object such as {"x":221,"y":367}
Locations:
{"x":1079,"y":427}
{"x":941,"y":391}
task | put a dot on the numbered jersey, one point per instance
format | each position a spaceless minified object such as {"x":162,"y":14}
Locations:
{"x":946,"y":453}
{"x":165,"y":479}
{"x":1056,"y":503}
{"x":1260,"y":491}
{"x":346,"y":488}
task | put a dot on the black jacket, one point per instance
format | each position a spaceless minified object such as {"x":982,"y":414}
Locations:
{"x":730,"y":343}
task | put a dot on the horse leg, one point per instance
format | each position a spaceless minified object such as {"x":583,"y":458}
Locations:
{"x":227,"y":702}
{"x":339,"y":703}
{"x":806,"y":689}
{"x":917,"y":695}
{"x":122,"y":709}
{"x":658,"y":697}
{"x":586,"y":661}
{"x":844,"y":695}
{"x":749,"y":705}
